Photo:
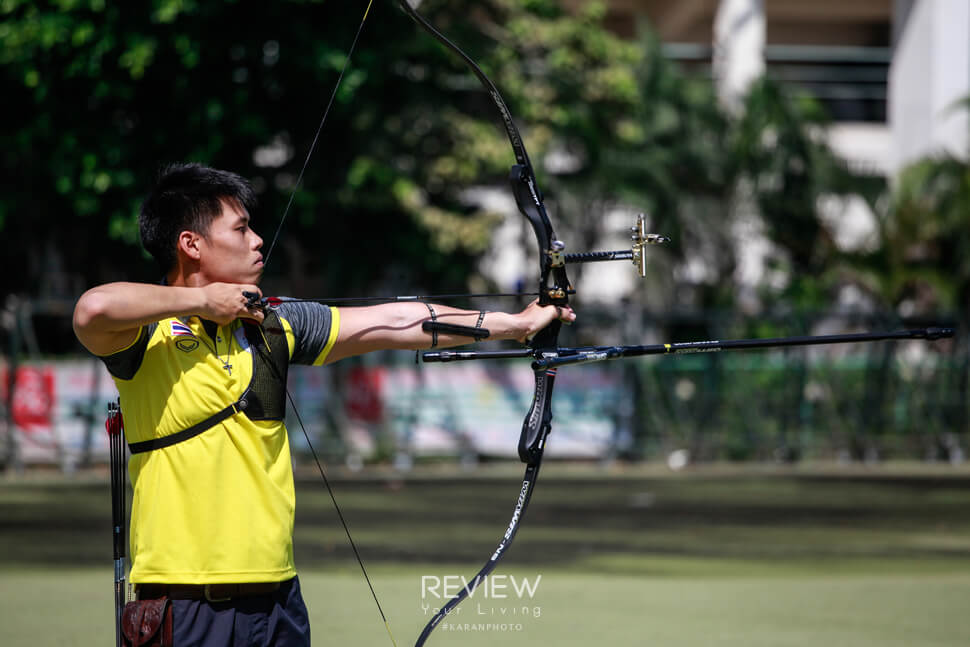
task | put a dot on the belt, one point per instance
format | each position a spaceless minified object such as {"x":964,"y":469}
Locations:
{"x":210,"y":592}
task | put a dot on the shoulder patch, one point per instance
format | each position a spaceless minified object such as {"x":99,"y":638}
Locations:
{"x":185,"y":339}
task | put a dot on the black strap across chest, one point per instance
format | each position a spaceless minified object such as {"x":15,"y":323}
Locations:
{"x":191,"y":432}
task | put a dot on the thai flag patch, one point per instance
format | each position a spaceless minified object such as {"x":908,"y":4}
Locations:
{"x":185,"y":339}
{"x":179,"y":328}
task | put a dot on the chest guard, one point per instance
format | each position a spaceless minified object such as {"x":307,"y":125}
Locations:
{"x":265,"y":396}
{"x":263,"y":399}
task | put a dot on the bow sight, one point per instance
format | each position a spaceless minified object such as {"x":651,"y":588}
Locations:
{"x":636,"y":254}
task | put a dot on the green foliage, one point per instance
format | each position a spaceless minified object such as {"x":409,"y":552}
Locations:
{"x":101,"y":94}
{"x":785,"y":167}
{"x":921,"y":264}
{"x":927,"y":236}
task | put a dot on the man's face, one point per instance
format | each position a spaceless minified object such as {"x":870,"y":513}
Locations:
{"x":229,"y":252}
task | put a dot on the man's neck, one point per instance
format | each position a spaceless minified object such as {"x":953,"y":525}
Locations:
{"x":186,"y":278}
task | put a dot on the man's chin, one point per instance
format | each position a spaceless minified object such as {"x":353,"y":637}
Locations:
{"x":254,"y":276}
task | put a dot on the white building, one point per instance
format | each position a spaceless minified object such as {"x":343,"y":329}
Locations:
{"x":889,"y":71}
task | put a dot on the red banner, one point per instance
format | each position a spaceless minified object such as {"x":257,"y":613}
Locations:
{"x":34,"y":398}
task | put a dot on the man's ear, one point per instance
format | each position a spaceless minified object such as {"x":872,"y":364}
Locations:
{"x":188,"y":244}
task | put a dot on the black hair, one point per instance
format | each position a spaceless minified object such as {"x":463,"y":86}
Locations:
{"x":187,"y":197}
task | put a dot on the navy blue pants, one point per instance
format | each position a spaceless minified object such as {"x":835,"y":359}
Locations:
{"x":277,"y":619}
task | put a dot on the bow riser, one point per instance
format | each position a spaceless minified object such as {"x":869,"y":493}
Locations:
{"x":551,"y":261}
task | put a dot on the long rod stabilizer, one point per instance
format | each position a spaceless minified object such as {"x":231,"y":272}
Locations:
{"x":712,"y":346}
{"x":578,"y":355}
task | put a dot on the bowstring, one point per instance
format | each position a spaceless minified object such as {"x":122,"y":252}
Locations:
{"x":276,"y":235}
{"x":316,"y":136}
{"x":326,"y":481}
{"x":340,"y":515}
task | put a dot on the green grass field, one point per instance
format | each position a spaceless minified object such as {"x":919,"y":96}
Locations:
{"x":717,"y":557}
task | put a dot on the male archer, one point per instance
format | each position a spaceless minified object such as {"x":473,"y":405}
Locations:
{"x":201,"y":370}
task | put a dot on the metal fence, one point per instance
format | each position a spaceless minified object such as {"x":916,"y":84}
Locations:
{"x":859,"y":402}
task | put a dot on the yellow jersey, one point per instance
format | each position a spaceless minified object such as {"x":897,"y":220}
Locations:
{"x":218,"y":507}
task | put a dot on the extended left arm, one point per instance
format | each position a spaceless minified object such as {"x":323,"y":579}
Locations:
{"x":398,"y":326}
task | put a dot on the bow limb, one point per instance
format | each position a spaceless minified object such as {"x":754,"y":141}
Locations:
{"x":525,"y":187}
{"x":554,"y":289}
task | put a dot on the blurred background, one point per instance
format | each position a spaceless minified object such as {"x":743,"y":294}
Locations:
{"x":808,"y":160}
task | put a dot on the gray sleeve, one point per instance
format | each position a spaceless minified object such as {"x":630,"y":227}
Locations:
{"x":312,"y":325}
{"x":125,"y":363}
